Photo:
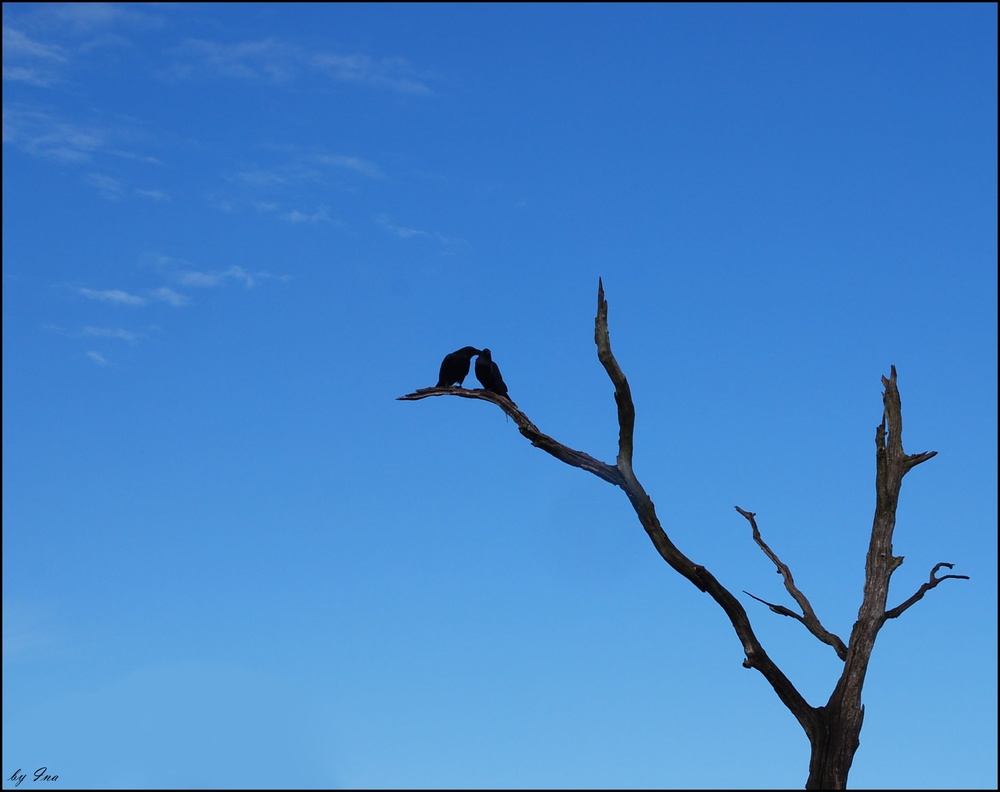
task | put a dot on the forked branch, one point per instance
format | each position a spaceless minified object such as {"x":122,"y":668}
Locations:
{"x":622,"y":475}
{"x":931,"y":583}
{"x":833,"y":730}
{"x":808,"y":617}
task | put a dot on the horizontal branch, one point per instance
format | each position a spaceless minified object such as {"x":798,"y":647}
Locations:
{"x":931,"y":583}
{"x":808,"y":617}
{"x":539,"y":439}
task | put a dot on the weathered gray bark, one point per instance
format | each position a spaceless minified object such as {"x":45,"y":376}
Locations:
{"x":834,"y":728}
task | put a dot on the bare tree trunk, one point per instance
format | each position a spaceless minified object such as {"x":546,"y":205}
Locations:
{"x":833,"y":729}
{"x":834,"y":747}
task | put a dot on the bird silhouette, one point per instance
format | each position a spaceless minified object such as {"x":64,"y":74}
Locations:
{"x":488,"y":374}
{"x":455,"y":366}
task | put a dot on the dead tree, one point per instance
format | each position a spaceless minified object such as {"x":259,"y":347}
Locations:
{"x":833,"y":728}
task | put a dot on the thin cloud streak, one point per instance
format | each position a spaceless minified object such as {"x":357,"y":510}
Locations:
{"x":89,"y":331}
{"x":152,"y":195}
{"x":255,"y":61}
{"x":25,"y":74}
{"x":86,"y":18}
{"x":395,"y":74}
{"x":44,"y":135}
{"x":272,"y":62}
{"x":112,"y":332}
{"x":183,"y":274}
{"x":110,"y":188}
{"x":213,"y":278}
{"x":321,"y":215}
{"x":305,"y":170}
{"x":356,"y":164}
{"x":19,"y":45}
{"x":29,"y":61}
{"x":81,"y":29}
{"x":116,"y":296}
{"x":169,"y":296}
{"x":403,"y":232}
{"x":262,"y":177}
{"x":270,"y":187}
{"x":207,"y":279}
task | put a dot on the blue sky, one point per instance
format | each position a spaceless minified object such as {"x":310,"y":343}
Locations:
{"x":234,"y":234}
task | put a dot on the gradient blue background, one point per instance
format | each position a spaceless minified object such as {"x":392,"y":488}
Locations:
{"x":233,"y":234}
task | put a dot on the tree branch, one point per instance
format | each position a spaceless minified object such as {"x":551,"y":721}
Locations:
{"x":623,"y":394}
{"x":931,"y":583}
{"x":809,"y":618}
{"x":844,"y":711}
{"x":623,"y":476}
{"x":538,"y":439}
{"x":833,"y":729}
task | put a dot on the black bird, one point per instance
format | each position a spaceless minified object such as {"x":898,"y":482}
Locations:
{"x":488,"y":374}
{"x":455,"y":367}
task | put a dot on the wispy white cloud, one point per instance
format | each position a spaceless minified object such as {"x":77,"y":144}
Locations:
{"x":42,"y":134}
{"x":152,"y":195}
{"x":133,"y":155}
{"x":26,"y":74}
{"x":256,"y":61}
{"x":301,"y":170}
{"x":182,"y":274}
{"x":180,"y":277}
{"x":169,"y":296}
{"x":355,"y":164}
{"x":295,"y":176}
{"x":263,"y":177}
{"x":119,"y":297}
{"x":72,"y":30}
{"x":275,"y":61}
{"x":395,"y":74}
{"x":60,"y":33}
{"x":110,"y":188}
{"x":86,"y":19}
{"x":30,"y":61}
{"x":116,"y":296}
{"x":305,"y":168}
{"x":405,"y":232}
{"x":319,"y":216}
{"x":242,"y":276}
{"x":401,"y":231}
{"x":223,"y":204}
{"x":19,"y":45}
{"x":201,"y":280}
{"x":112,"y":332}
{"x":220,"y":277}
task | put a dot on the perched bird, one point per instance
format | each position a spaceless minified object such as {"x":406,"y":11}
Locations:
{"x":488,"y":374}
{"x":455,"y":367}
